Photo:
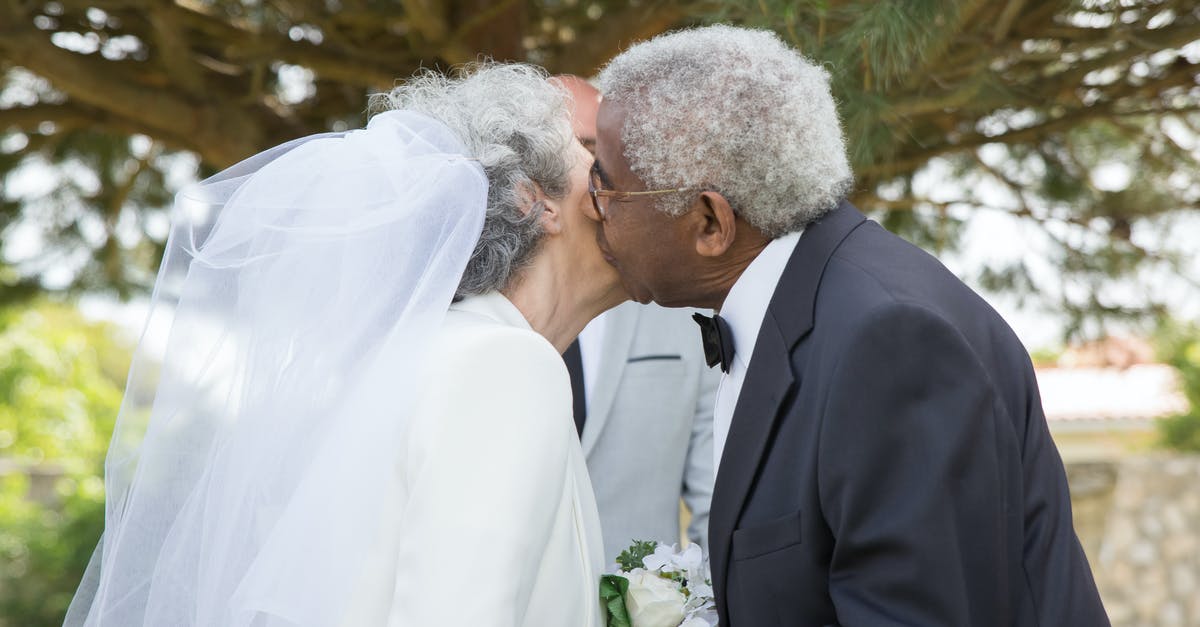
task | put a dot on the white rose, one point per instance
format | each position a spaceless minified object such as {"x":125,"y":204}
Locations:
{"x":653,"y":601}
{"x":695,"y":621}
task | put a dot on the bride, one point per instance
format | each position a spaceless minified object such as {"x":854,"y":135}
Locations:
{"x":359,"y":414}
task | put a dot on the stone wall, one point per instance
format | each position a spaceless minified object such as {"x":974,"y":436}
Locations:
{"x":1139,"y":522}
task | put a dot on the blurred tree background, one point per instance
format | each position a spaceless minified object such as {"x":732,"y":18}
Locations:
{"x":1026,"y":104}
{"x":61,"y":380}
{"x":1078,"y":117}
{"x":1179,"y":346}
{"x":1034,"y":97}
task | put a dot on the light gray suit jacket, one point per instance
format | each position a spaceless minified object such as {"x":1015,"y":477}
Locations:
{"x":648,"y":435}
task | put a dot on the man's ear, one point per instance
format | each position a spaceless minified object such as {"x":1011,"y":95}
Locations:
{"x":716,"y":224}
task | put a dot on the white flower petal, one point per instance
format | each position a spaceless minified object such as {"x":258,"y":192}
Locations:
{"x":662,"y":556}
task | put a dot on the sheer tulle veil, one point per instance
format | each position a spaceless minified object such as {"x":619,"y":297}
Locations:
{"x":288,"y":326}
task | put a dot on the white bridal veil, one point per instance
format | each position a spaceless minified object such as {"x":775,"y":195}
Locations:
{"x":297,"y":295}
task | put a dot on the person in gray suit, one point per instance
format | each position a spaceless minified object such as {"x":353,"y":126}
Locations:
{"x":644,"y":406}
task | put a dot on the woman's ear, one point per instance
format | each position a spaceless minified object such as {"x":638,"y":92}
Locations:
{"x":551,"y":217}
{"x":716,"y":224}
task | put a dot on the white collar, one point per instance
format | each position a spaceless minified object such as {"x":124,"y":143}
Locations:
{"x":747,"y":301}
{"x":495,"y":306}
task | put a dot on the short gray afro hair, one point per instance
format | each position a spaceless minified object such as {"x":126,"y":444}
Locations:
{"x":736,"y":111}
{"x":517,"y":123}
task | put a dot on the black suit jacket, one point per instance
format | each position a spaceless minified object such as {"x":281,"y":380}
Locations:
{"x":888,"y":461}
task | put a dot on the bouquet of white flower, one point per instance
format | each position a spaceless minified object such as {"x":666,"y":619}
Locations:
{"x":657,"y":585}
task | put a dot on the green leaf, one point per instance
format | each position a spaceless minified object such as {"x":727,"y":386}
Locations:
{"x":612,"y":599}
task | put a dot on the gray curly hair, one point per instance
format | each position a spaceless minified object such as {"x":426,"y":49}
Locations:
{"x":516,"y":122}
{"x":736,"y":111}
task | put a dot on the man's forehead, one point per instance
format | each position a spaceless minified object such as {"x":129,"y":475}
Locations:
{"x":610,"y":146}
{"x":609,"y":120}
{"x":608,"y":126}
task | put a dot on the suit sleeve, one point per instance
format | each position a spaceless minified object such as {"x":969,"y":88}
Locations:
{"x":486,"y":479}
{"x":911,"y":478}
{"x":698,"y":472}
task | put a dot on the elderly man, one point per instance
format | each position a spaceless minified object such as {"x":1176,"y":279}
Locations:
{"x":882,"y":457}
{"x":643,"y":405}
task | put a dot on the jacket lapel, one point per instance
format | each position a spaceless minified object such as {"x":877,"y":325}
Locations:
{"x":769,"y":380}
{"x":619,"y":330}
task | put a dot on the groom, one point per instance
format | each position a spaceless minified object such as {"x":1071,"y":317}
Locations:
{"x":882,"y":457}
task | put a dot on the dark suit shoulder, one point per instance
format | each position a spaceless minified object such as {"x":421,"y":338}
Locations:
{"x":873,"y":268}
{"x":874,"y":261}
{"x":904,"y":271}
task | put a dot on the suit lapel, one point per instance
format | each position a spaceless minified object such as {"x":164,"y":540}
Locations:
{"x":619,"y":330}
{"x":769,"y":380}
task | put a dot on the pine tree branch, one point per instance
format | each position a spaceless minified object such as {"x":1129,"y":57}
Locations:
{"x":1038,"y":16}
{"x":28,"y":119}
{"x":1005,"y":21}
{"x":964,"y":94}
{"x":937,"y":49}
{"x":71,"y":116}
{"x":913,"y":160}
{"x":480,"y":19}
{"x":221,"y":136}
{"x":120,"y":195}
{"x":499,"y":37}
{"x":172,"y":47}
{"x":427,"y":18}
{"x":1017,"y":190}
{"x":1167,"y":39}
{"x":242,"y":45}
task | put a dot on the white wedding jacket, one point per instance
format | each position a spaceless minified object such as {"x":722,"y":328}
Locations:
{"x":494,"y":522}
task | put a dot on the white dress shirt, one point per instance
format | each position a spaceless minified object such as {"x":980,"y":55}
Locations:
{"x":744,"y":309}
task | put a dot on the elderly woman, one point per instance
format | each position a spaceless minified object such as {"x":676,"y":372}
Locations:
{"x":360,"y":415}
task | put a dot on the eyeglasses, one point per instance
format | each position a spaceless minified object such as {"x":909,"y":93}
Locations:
{"x":601,"y":206}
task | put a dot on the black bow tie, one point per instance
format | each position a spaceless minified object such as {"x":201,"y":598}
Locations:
{"x":718,"y":340}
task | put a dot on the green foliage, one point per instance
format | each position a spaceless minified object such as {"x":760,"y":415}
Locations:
{"x":45,"y":549}
{"x":632,"y":557}
{"x":1179,"y":346}
{"x":60,"y":388}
